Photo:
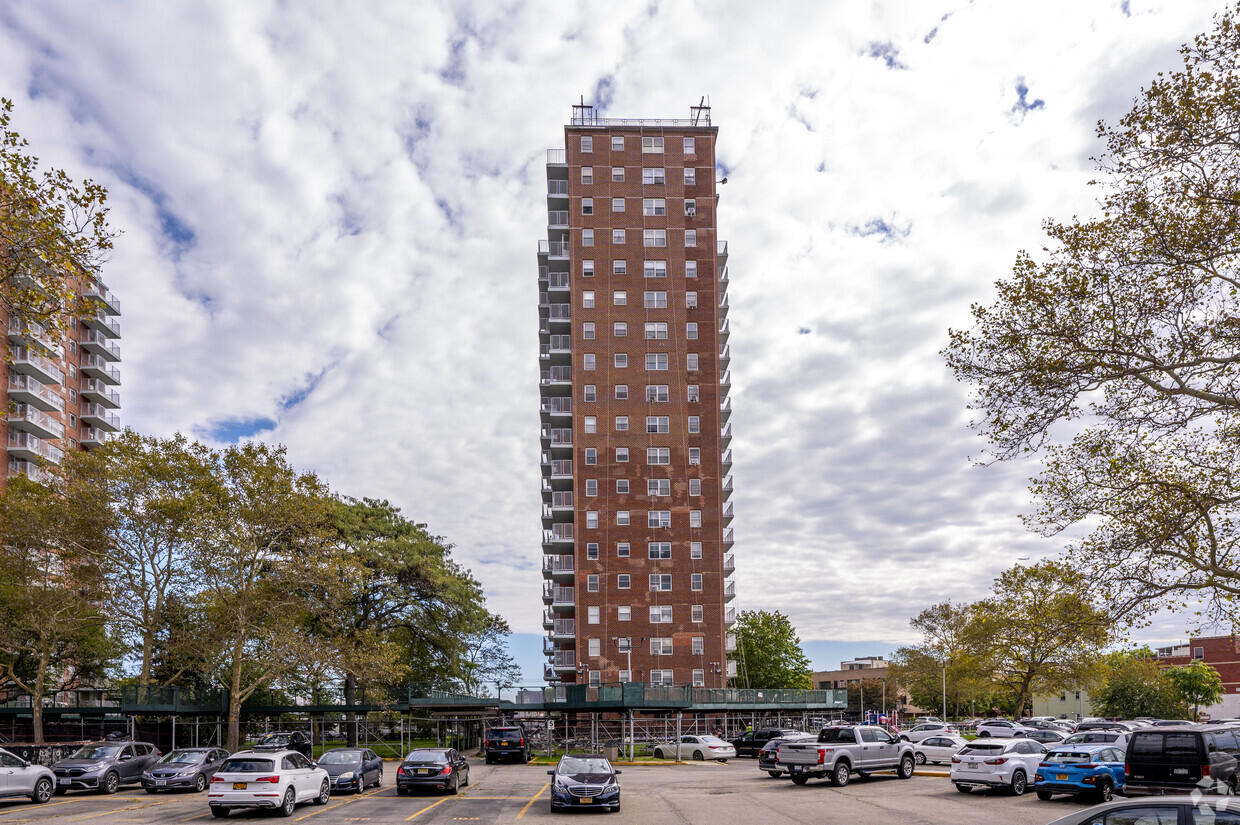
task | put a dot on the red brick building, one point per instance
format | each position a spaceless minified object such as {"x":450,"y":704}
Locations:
{"x":636,"y":465}
{"x":1221,"y":653}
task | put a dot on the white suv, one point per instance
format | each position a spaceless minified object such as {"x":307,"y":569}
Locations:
{"x":267,"y":779}
{"x":1001,"y":729}
{"x":927,"y":729}
{"x":1011,"y":764}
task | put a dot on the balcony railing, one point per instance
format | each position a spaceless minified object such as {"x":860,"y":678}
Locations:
{"x":564,"y":627}
{"x":28,"y":446}
{"x":726,"y":486}
{"x":729,"y":591}
{"x":722,"y":248}
{"x":725,"y":406}
{"x":94,"y":437}
{"x":557,"y":156}
{"x":104,"y":324}
{"x":31,"y":363}
{"x":33,"y":332}
{"x":548,"y":618}
{"x":96,"y":367}
{"x":725,"y":380}
{"x":729,"y":564}
{"x":558,"y":564}
{"x":32,"y":471}
{"x":557,"y":188}
{"x":562,"y":468}
{"x":729,"y":643}
{"x":562,"y":532}
{"x":724,"y":330}
{"x":564,"y":659}
{"x":98,"y":415}
{"x":725,"y":355}
{"x":726,"y":433}
{"x":97,"y":391}
{"x":560,"y":312}
{"x":727,"y":511}
{"x":25,"y":389}
{"x":727,"y":537}
{"x":562,"y":595}
{"x":30,"y":419}
{"x":726,"y":458}
{"x":553,"y":249}
{"x":562,"y":499}
{"x":99,"y":292}
{"x":557,"y":280}
{"x":97,"y":342}
{"x":729,"y":616}
{"x":556,"y":406}
{"x":723,"y":276}
{"x":557,"y":218}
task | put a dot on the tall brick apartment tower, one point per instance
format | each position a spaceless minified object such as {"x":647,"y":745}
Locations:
{"x":60,"y":395}
{"x":633,"y":331}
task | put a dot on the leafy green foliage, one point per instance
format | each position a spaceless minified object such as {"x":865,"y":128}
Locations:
{"x":1134,"y":684}
{"x":946,"y":643}
{"x":1197,"y":684}
{"x":768,"y":653}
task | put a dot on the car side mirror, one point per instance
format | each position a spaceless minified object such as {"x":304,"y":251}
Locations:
{"x":125,"y":758}
{"x":550,"y":773}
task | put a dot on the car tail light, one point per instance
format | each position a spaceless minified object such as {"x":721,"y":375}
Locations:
{"x":1044,"y":764}
{"x":1127,"y":770}
{"x":1037,"y":777}
{"x":447,"y":769}
{"x":998,"y":761}
{"x":955,"y":760}
{"x":215,"y":779}
{"x":400,"y":771}
{"x":822,"y":756}
{"x":271,"y":779}
{"x":1088,"y":766}
{"x":522,"y":742}
{"x":1205,"y":770}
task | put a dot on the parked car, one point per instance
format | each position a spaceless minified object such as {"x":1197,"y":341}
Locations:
{"x":184,"y":768}
{"x":1094,"y":770}
{"x":352,"y":769}
{"x":768,"y":757}
{"x":839,"y":751}
{"x":22,"y":778}
{"x":277,"y":780}
{"x":937,"y":749}
{"x":1184,"y":758}
{"x":285,"y":740}
{"x":585,"y":780}
{"x":104,"y":766}
{"x":1001,"y":729}
{"x":442,"y":769}
{"x":752,"y":741}
{"x":1102,"y":724}
{"x":927,"y":729}
{"x":697,"y":748}
{"x":1159,"y":809}
{"x":1098,"y":737}
{"x":1050,"y":738}
{"x":1169,"y":723}
{"x":507,"y":742}
{"x":1009,"y":764}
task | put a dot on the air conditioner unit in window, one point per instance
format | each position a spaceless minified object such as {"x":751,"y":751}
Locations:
{"x":690,"y":209}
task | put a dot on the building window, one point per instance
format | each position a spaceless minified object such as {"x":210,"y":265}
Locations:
{"x":659,"y":549}
{"x":695,"y":581}
{"x":690,"y":207}
{"x":655,"y":269}
{"x":622,"y":581}
{"x":699,"y":677}
{"x":695,"y":486}
{"x":622,"y":423}
{"x":617,"y":174}
{"x":695,"y":549}
{"x":658,"y":424}
{"x":659,"y":518}
{"x":661,"y":646}
{"x":651,"y":177}
{"x":690,"y":269}
{"x":622,"y":392}
{"x":624,"y":613}
{"x":654,"y":207}
{"x":690,"y":238}
{"x":652,"y":146}
{"x":661,"y":614}
{"x":587,"y":329}
{"x":661,"y":677}
{"x":588,"y":392}
{"x":691,"y":300}
{"x":655,"y":300}
{"x":695,"y":518}
{"x":592,"y":519}
{"x":617,"y":236}
{"x":617,"y":142}
{"x":592,"y":585}
{"x":591,"y":455}
{"x":596,"y":678}
{"x":624,"y":644}
{"x":622,"y":454}
{"x":622,"y":518}
{"x":587,"y":143}
{"x":658,"y":486}
{"x":691,"y":361}
{"x":690,"y":146}
{"x":693,"y":393}
{"x":591,"y":424}
{"x":654,"y":237}
{"x":699,"y":645}
{"x":622,"y":550}
{"x":621,"y":360}
{"x":690,"y":176}
{"x":591,"y":486}
{"x":587,"y":174}
{"x":656,"y":361}
{"x":618,"y":268}
{"x":691,"y":331}
{"x":587,"y":301}
{"x":617,"y":204}
{"x":656,"y":393}
{"x":587,"y":361}
{"x":587,"y":269}
{"x":695,"y":455}
{"x":619,"y":298}
{"x":695,"y":424}
{"x":591,"y":615}
{"x":696,"y":614}
{"x":1199,"y":652}
{"x":622,"y":486}
{"x":587,"y":206}
{"x":592,"y":551}
{"x":620,"y":329}
{"x":656,"y":331}
{"x":658,"y":455}
{"x":587,"y":237}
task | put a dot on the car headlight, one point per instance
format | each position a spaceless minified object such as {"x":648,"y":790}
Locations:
{"x":346,"y":775}
{"x":98,"y":766}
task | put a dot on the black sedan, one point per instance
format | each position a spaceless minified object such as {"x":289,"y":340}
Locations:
{"x":291,"y":740}
{"x":352,"y":769}
{"x":443,"y":769}
{"x":584,"y":780}
{"x":184,"y":768}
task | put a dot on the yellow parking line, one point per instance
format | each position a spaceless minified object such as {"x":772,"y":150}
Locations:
{"x":112,"y":813}
{"x":427,"y":808}
{"x":41,"y":807}
{"x":192,"y":818}
{"x":533,"y":799}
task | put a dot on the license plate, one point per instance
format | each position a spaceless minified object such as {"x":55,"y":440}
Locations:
{"x":161,"y":782}
{"x":1179,"y":770}
{"x":238,"y":786}
{"x":585,"y":800}
{"x":64,"y":780}
{"x":504,"y":743}
{"x":424,"y":771}
{"x":1061,"y":776}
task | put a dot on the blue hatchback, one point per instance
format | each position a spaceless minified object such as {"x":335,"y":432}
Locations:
{"x":1097,"y":770}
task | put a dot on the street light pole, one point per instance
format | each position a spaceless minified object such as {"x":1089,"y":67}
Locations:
{"x":945,"y":693}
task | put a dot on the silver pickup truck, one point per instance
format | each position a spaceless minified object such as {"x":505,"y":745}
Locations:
{"x":843,"y":750}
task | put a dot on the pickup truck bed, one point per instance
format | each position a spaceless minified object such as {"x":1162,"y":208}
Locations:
{"x":844,"y":750}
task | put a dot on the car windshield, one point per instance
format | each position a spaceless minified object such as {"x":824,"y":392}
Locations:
{"x":583,"y":764}
{"x":184,"y":758}
{"x":96,"y":752}
{"x":1069,"y":757}
{"x":1087,"y":738}
{"x":245,"y":765}
{"x":438,"y":757}
{"x":837,"y":735}
{"x":340,"y":758}
{"x":984,"y":747}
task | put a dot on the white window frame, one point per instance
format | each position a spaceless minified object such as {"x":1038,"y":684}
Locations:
{"x":617,"y":174}
{"x":690,"y":238}
{"x":659,"y":519}
{"x":587,"y":329}
{"x":617,"y":204}
{"x":623,"y":549}
{"x":654,"y":237}
{"x":691,"y":331}
{"x":617,"y":143}
{"x":698,"y":645}
{"x":696,"y":613}
{"x":654,"y":269}
{"x":657,"y":393}
{"x":653,"y":176}
{"x":652,"y":146}
{"x":620,"y":329}
{"x":622,"y":486}
{"x":589,"y":393}
{"x":622,"y":392}
{"x":587,"y":175}
{"x":654,"y":207}
{"x":690,"y":145}
{"x":661,"y":645}
{"x":587,"y":206}
{"x":656,"y":362}
{"x":658,"y":423}
{"x":656,"y":331}
{"x":591,"y":519}
{"x":624,"y":613}
{"x":591,"y":486}
{"x":658,"y":550}
{"x":658,"y":456}
{"x":588,"y":361}
{"x":695,"y":581}
{"x":622,"y":518}
{"x":619,"y":298}
{"x":658,"y":487}
{"x":695,"y":549}
{"x":587,"y":144}
{"x":617,"y":236}
{"x":620,"y":360}
{"x":691,"y":361}
{"x":623,"y":581}
{"x":587,"y":237}
{"x":592,"y":616}
{"x":591,"y":424}
{"x":695,"y":518}
{"x":622,"y":455}
{"x":690,"y":176}
{"x":661,"y":614}
{"x":622,"y":423}
{"x":660,"y":582}
{"x":591,"y":455}
{"x":695,"y":456}
{"x":592,"y":584}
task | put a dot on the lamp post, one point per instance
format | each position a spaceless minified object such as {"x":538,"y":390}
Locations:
{"x":945,"y":692}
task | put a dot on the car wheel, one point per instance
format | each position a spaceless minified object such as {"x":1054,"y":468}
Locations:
{"x":697,"y":756}
{"x":456,"y":784}
{"x":963,"y":788}
{"x":984,"y":735}
{"x":379,"y":779}
{"x":615,"y":809}
{"x":920,"y":757}
{"x":401,"y":790}
{"x":1105,"y":792}
{"x":148,"y":790}
{"x":904,"y":738}
{"x":488,"y":759}
{"x":658,"y":753}
{"x":722,"y":761}
{"x":288,"y":805}
{"x":1045,"y":796}
{"x":466,"y":782}
{"x":841,"y":774}
{"x":1018,"y":783}
{"x":325,"y":793}
{"x":800,"y":779}
{"x":906,"y":768}
{"x":111,"y":783}
{"x":42,"y":791}
{"x":863,"y":774}
{"x":200,"y":784}
{"x":525,"y":758}
{"x":220,"y":812}
{"x":773,"y":773}
{"x":60,"y":791}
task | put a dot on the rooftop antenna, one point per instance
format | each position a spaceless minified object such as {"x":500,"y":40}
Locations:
{"x":701,"y":112}
{"x":583,"y":112}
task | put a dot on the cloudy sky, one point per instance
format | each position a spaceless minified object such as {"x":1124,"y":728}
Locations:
{"x":330,"y":215}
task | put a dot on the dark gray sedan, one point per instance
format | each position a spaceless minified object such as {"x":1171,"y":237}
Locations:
{"x":352,"y":769}
{"x":442,"y":769}
{"x":187,"y":769}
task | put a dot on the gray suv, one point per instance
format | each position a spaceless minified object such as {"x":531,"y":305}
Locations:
{"x":104,"y":766}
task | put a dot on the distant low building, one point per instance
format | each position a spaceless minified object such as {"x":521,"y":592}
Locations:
{"x":854,"y":671}
{"x":1067,"y":704}
{"x":1219,"y":652}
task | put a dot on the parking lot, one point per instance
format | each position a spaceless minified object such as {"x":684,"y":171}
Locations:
{"x":651,"y":795}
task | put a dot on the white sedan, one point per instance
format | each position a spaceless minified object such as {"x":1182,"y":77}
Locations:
{"x":21,"y":778}
{"x":696,"y":747}
{"x":937,"y":749}
{"x":1010,"y":764}
{"x":267,"y":779}
{"x":1001,"y":729}
{"x":927,"y":729}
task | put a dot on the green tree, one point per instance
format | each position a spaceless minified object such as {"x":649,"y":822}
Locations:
{"x":1197,"y":684}
{"x":1039,"y":631}
{"x":53,"y":233}
{"x":1134,"y":684}
{"x":768,"y":653}
{"x":946,"y":643}
{"x":1116,"y":358}
{"x":486,"y":660}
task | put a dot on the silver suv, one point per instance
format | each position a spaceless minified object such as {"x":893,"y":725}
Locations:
{"x":104,"y":766}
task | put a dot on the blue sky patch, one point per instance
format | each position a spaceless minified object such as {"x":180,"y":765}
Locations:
{"x":231,"y":432}
{"x":886,"y":52}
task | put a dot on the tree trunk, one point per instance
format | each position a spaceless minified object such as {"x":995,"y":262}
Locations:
{"x":350,"y":717}
{"x":36,"y":697}
{"x":234,"y":705}
{"x":144,"y":676}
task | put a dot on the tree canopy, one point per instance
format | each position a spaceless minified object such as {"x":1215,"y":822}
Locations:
{"x":1133,"y":684}
{"x":768,"y":653}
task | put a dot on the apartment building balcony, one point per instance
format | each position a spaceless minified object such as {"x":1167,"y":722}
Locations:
{"x":725,"y":487}
{"x":725,"y":408}
{"x":557,"y":219}
{"x":549,"y":647}
{"x":33,"y":332}
{"x":729,"y":617}
{"x":95,"y":390}
{"x":557,"y":157}
{"x":726,"y":515}
{"x":731,"y":668}
{"x":548,"y":618}
{"x":99,"y":344}
{"x":24,"y":389}
{"x":724,"y":306}
{"x":564,"y":629}
{"x":29,"y":419}
{"x":98,"y":416}
{"x":564,"y":660}
{"x":556,"y":437}
{"x":93,"y":437}
{"x":562,"y":468}
{"x":729,"y":591}
{"x":729,"y":643}
{"x":559,"y":534}
{"x":557,"y":189}
{"x":727,"y":537}
{"x":722,"y":252}
{"x":556,"y":281}
{"x":29,"y":447}
{"x":725,"y":356}
{"x":95,"y":366}
{"x":560,"y":566}
{"x":723,"y":277}
{"x":556,"y":376}
{"x":562,"y":500}
{"x":729,"y":564}
{"x":100,"y":293}
{"x":554,"y":250}
{"x":100,"y":322}
{"x":557,"y":313}
{"x":725,"y":381}
{"x":27,"y":362}
{"x":726,"y":460}
{"x":725,"y":435}
{"x":724,"y":331}
{"x":556,"y":406}
{"x":29,"y":469}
